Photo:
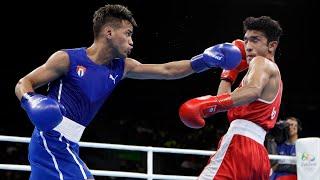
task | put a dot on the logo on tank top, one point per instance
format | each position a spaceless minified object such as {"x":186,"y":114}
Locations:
{"x":273,"y":113}
{"x":81,"y":70}
{"x":113,"y":78}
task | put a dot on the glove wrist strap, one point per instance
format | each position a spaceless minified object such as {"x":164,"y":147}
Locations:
{"x":229,"y":75}
{"x":197,"y":64}
{"x":225,"y":100}
{"x":26,"y":96}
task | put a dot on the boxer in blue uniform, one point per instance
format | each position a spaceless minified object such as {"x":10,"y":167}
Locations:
{"x":81,"y":79}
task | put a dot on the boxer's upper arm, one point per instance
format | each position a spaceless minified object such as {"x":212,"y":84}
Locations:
{"x":256,"y":79}
{"x":259,"y":73}
{"x":56,"y":66}
{"x":136,"y":70}
{"x":130,"y":65}
{"x":169,"y":70}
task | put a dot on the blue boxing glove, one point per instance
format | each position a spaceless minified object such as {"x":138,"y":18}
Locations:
{"x":226,"y":56}
{"x":45,"y":113}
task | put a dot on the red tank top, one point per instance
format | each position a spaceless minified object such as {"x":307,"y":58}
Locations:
{"x":261,"y":112}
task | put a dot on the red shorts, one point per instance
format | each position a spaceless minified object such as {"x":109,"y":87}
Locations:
{"x":241,"y":155}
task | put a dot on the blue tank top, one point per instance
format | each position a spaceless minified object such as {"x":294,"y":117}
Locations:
{"x":287,"y":149}
{"x":86,"y":86}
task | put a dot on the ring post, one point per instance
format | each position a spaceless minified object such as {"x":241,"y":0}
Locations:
{"x":308,"y":158}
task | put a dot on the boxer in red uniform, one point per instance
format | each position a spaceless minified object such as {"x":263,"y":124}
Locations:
{"x":252,"y":108}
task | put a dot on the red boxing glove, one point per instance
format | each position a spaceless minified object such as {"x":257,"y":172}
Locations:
{"x":240,"y":44}
{"x":231,"y":75}
{"x":194,"y":110}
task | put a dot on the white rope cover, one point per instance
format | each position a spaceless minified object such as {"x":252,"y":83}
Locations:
{"x":150,"y":150}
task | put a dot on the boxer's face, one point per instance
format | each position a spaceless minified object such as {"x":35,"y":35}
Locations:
{"x":256,"y":44}
{"x":120,"y":39}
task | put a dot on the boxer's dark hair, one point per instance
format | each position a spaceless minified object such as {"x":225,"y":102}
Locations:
{"x":112,"y":15}
{"x":271,"y":28}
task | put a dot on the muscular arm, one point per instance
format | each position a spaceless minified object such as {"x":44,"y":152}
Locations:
{"x":257,"y":77}
{"x":56,"y":65}
{"x":193,"y":111}
{"x":224,"y":87}
{"x":171,"y":70}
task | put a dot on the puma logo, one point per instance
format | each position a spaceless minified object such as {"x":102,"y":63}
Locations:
{"x":113,"y":78}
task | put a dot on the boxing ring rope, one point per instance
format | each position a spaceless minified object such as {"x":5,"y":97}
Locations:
{"x":150,"y":150}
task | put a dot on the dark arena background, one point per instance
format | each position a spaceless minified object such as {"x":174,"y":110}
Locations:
{"x":145,"y":112}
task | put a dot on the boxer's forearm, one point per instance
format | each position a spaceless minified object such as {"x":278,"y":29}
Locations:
{"x":245,"y":95}
{"x":224,"y":87}
{"x":23,"y":86}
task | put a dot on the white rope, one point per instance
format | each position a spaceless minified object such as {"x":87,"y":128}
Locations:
{"x":15,"y":167}
{"x":106,"y":173}
{"x":150,"y":150}
{"x":14,"y":139}
{"x":120,"y":146}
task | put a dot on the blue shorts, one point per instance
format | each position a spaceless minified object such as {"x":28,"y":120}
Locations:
{"x":52,"y":157}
